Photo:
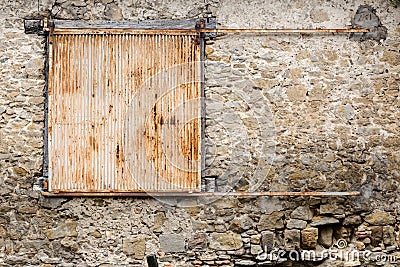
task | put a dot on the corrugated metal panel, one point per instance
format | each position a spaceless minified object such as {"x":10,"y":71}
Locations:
{"x":124,"y":112}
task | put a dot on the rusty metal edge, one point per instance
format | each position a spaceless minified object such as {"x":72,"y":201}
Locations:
{"x":194,"y":31}
{"x":198,"y":194}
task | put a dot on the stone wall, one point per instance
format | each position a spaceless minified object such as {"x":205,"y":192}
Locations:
{"x":284,"y":113}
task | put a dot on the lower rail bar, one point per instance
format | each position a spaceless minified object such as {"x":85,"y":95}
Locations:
{"x":197,"y":194}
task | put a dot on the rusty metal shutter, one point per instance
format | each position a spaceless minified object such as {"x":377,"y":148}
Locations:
{"x":124,"y":110}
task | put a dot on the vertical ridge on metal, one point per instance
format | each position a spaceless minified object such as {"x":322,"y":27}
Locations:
{"x":124,"y":108}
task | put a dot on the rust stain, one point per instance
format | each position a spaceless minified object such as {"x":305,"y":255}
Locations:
{"x":93,"y":78}
{"x":189,"y":140}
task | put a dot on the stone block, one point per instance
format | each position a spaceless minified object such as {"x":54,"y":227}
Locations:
{"x":225,"y":241}
{"x":267,"y":240}
{"x":302,"y":213}
{"x":309,"y":238}
{"x":198,"y":241}
{"x":321,"y":221}
{"x":135,"y":247}
{"x":292,"y":239}
{"x":296,"y":224}
{"x":380,"y":218}
{"x":67,"y":228}
{"x":271,"y":221}
{"x":389,"y":237}
{"x":326,"y":237}
{"x":376,"y":235}
{"x":172,"y":243}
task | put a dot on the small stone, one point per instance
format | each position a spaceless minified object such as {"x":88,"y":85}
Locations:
{"x":309,"y":238}
{"x":241,"y":224}
{"x":302,"y":213}
{"x":96,"y":234}
{"x":255,"y":249}
{"x":21,"y":172}
{"x":268,"y":205}
{"x":255,"y":239}
{"x":330,"y":209}
{"x":172,"y":243}
{"x":245,"y":263}
{"x":389,"y":237}
{"x":67,"y":228}
{"x":391,"y":57}
{"x":376,"y":235}
{"x":360,"y":245}
{"x":352,"y":220}
{"x":272,"y":221}
{"x":292,"y":239}
{"x":296,"y":224}
{"x":321,"y":221}
{"x":319,"y":15}
{"x":380,"y":218}
{"x":225,"y":241}
{"x":198,"y":241}
{"x":349,"y":111}
{"x":326,"y":237}
{"x":114,"y":12}
{"x":135,"y":247}
{"x":267,"y":240}
{"x":296,"y":92}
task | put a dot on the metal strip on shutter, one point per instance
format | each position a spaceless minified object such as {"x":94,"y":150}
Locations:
{"x":124,"y":112}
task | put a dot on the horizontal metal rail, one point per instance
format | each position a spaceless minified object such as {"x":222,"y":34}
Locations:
{"x":274,"y":31}
{"x":194,"y":31}
{"x":199,"y":194}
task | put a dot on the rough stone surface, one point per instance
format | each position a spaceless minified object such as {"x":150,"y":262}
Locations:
{"x":321,"y":221}
{"x":326,"y":237}
{"x":134,"y":247}
{"x":283,"y":113}
{"x":292,"y":239}
{"x":380,"y":218}
{"x":297,"y":224}
{"x":302,"y":213}
{"x":271,"y":221}
{"x":309,"y":238}
{"x":172,"y":243}
{"x":225,"y":241}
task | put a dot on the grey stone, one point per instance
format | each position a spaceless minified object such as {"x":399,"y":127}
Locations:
{"x":302,"y":213}
{"x":268,"y":205}
{"x":268,"y":240}
{"x":352,"y":220}
{"x":241,"y":224}
{"x":271,"y":221}
{"x":52,"y":202}
{"x":350,"y":113}
{"x":366,"y":18}
{"x":225,"y":241}
{"x":326,"y":237}
{"x":255,"y":249}
{"x":331,"y":209}
{"x":292,"y":239}
{"x":296,"y":224}
{"x":172,"y":243}
{"x":321,"y":221}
